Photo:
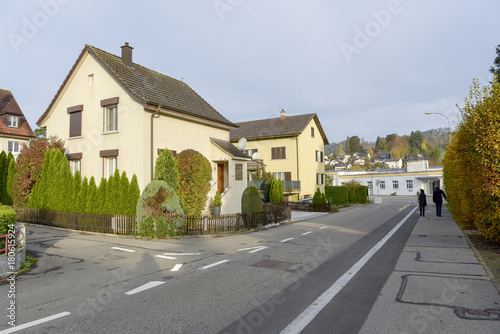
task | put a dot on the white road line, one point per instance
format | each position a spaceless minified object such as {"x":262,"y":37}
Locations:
{"x":322,"y":228}
{"x":34,"y":323}
{"x":213,"y":264}
{"x":287,"y":240}
{"x":181,"y":254}
{"x":166,"y":257}
{"x":312,"y":311}
{"x":257,"y":249}
{"x":306,"y":233}
{"x":176,"y":267}
{"x":144,"y":287}
{"x":124,"y":249}
{"x":244,"y":249}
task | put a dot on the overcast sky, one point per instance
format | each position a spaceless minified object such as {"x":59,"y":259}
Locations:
{"x":367,"y":68}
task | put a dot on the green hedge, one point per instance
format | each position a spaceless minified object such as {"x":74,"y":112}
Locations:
{"x":358,"y":194}
{"x":337,"y":195}
{"x":7,"y":217}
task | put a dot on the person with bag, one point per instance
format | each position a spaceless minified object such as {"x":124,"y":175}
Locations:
{"x":422,"y":202}
{"x":437,"y":198}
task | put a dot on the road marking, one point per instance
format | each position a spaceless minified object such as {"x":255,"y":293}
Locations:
{"x":306,"y":233}
{"x":124,"y":249}
{"x":181,"y":254}
{"x":213,"y":264}
{"x":176,"y":267}
{"x":144,"y":287}
{"x":322,"y":228}
{"x":253,"y":249}
{"x":404,"y":207}
{"x":166,"y":257}
{"x":287,"y":240}
{"x":34,"y":323}
{"x":312,"y":311}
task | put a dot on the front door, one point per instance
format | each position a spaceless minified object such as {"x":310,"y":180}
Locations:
{"x":220,"y":178}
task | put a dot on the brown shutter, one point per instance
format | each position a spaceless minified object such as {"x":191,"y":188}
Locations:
{"x":288,"y":176}
{"x":110,"y":101}
{"x":75,"y":124}
{"x":108,"y":153}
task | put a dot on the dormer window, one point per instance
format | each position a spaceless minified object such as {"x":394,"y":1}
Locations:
{"x":12,"y":121}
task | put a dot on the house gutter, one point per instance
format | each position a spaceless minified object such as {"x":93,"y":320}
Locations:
{"x":153,"y":116}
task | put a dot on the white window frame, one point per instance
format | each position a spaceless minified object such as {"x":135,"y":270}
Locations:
{"x":14,"y":147}
{"x":75,"y":165}
{"x":382,"y":185}
{"x":238,"y":175}
{"x":111,"y":126}
{"x":109,"y":166}
{"x":320,"y":178}
{"x":91,"y":79}
{"x":395,"y":184}
{"x":319,"y":156}
{"x":12,"y":121}
{"x":280,"y":176}
{"x":409,"y":184}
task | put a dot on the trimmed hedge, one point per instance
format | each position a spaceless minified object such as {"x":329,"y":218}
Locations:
{"x":337,"y":195}
{"x":7,"y":217}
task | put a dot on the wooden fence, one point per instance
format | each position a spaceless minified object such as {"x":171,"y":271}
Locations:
{"x":127,"y":225}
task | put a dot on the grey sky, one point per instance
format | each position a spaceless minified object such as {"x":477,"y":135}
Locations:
{"x":367,"y":68}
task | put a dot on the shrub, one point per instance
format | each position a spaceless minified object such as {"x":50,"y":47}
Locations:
{"x":158,"y":199}
{"x":319,"y":197}
{"x":92,"y":205}
{"x":101,"y":197}
{"x":357,"y":192}
{"x":7,"y":217}
{"x":133,"y":195}
{"x":337,"y":195}
{"x":267,"y":187}
{"x":217,"y":199}
{"x":195,"y":174}
{"x":123,"y":194}
{"x":77,"y":184}
{"x":81,"y":198}
{"x":251,"y":201}
{"x":10,"y":179}
{"x":166,"y":169}
{"x":276,"y":191}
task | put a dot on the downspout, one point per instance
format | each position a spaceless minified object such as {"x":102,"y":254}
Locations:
{"x":298,"y":175}
{"x":154,"y":115}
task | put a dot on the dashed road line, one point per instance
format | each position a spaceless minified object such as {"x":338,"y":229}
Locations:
{"x":176,"y":267}
{"x":144,"y":287}
{"x":34,"y":323}
{"x":287,"y":240}
{"x":213,"y":264}
{"x":166,"y":257}
{"x":124,"y":249}
{"x":306,"y":233}
{"x":253,"y":249}
{"x":181,"y":254}
{"x":322,"y":228}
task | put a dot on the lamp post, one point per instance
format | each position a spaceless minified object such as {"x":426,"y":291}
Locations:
{"x":449,"y":126}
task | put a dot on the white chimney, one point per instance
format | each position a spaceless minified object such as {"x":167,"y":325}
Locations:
{"x":282,"y":113}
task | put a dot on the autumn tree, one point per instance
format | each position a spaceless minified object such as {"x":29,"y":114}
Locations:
{"x":355,"y":144}
{"x":495,"y":69}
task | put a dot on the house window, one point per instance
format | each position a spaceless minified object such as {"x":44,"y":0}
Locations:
{"x":75,"y":121}
{"x":14,"y":147}
{"x":312,"y":132}
{"x":382,"y":184}
{"x":75,"y":165}
{"x":369,"y":184}
{"x":409,"y":184}
{"x":91,"y":79}
{"x":238,"y":172}
{"x":319,"y":156}
{"x":320,"y":178}
{"x":109,"y":162}
{"x":278,"y":153}
{"x":395,"y":184}
{"x":110,"y":118}
{"x":250,"y":152}
{"x":12,"y":121}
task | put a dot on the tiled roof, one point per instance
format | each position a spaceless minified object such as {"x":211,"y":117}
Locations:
{"x":275,"y":127}
{"x":9,"y":106}
{"x":229,"y":148}
{"x":152,"y":88}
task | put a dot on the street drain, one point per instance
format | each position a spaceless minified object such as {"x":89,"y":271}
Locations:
{"x":272,"y":264}
{"x":480,"y":313}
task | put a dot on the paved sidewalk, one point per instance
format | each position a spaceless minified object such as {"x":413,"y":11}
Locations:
{"x":298,"y":215}
{"x":438,"y":285}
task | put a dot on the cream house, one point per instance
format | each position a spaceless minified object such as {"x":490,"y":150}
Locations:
{"x":14,"y":128}
{"x":115,"y":114}
{"x":291,"y":147}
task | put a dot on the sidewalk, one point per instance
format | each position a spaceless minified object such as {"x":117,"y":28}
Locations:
{"x":438,"y":285}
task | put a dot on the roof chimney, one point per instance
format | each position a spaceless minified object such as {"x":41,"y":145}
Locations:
{"x":127,"y":54}
{"x":282,"y":113}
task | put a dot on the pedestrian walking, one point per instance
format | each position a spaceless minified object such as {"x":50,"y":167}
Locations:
{"x":422,"y":202}
{"x":437,"y":198}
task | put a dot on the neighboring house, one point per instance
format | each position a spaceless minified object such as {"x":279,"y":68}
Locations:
{"x":394,"y":163}
{"x":382,"y":157}
{"x":115,"y":114}
{"x":14,"y":128}
{"x":292,"y":149}
{"x":403,"y":181}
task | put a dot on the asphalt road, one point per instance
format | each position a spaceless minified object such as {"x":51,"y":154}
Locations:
{"x":259,"y":282}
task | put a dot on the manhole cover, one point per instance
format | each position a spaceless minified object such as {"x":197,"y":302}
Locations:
{"x":272,"y":264}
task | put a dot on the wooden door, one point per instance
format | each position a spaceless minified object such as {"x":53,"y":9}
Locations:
{"x":220,"y":178}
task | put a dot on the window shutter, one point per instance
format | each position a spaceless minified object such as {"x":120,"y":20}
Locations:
{"x":288,"y":176}
{"x":75,"y":124}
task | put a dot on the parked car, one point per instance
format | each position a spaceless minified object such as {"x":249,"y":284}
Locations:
{"x":303,"y":204}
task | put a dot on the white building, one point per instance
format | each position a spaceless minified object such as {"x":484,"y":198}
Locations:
{"x":403,"y":181}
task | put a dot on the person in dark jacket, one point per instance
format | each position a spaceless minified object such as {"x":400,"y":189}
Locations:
{"x":422,"y":202}
{"x":437,"y":198}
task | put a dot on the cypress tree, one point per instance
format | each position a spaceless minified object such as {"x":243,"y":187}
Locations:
{"x":77,"y":184}
{"x":10,"y":178}
{"x":115,"y":191}
{"x":91,"y":204}
{"x":38,"y":197}
{"x":108,"y":207}
{"x":123,"y":194}
{"x":52,"y":191}
{"x":101,"y":197}
{"x":133,"y":196}
{"x":166,"y":169}
{"x":81,"y":198}
{"x":3,"y":176}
